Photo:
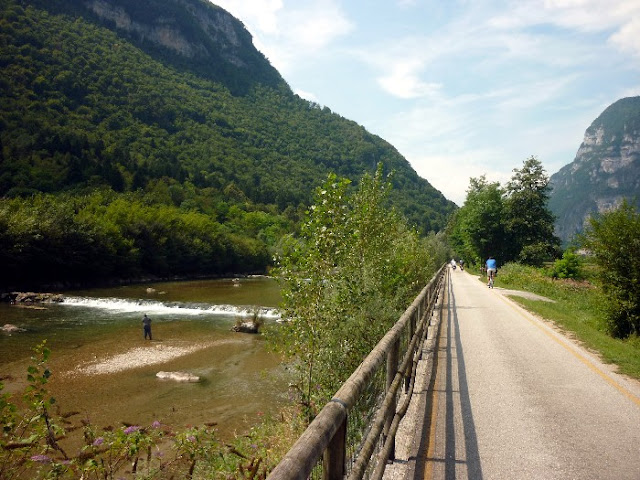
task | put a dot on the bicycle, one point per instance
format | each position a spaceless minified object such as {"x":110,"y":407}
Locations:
{"x":491,"y":275}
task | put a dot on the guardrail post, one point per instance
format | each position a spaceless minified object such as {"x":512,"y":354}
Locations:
{"x":392,"y":369}
{"x":415,"y":318}
{"x":333,"y":460}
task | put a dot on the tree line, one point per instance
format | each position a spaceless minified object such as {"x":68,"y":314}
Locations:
{"x":105,"y":235}
{"x":514,"y":224}
{"x":511,"y":223}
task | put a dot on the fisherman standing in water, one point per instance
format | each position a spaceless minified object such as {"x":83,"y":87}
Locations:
{"x":146,"y":324}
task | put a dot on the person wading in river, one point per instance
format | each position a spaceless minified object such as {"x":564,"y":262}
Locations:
{"x":146,"y":325}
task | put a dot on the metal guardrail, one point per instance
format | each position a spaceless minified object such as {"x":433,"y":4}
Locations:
{"x":327,"y":436}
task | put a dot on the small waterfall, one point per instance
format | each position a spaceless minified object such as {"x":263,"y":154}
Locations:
{"x":121,"y":305}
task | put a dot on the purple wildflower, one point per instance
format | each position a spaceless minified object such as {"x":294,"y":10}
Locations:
{"x":191,"y":438}
{"x":131,"y":429}
{"x":41,"y":459}
{"x":156,"y":424}
{"x":98,"y":441}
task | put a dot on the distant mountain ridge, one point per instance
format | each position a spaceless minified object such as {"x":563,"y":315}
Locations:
{"x":605,"y":171}
{"x":161,"y":94}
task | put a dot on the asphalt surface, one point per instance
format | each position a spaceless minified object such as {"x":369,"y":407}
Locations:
{"x":512,"y":398}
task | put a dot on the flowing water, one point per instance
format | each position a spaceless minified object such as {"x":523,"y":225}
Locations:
{"x":104,"y":369}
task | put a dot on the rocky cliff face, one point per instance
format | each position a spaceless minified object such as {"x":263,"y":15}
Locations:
{"x":192,"y":34}
{"x":605,"y":171}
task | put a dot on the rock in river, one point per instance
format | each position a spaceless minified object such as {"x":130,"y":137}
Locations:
{"x":178,"y":376}
{"x":9,"y":328}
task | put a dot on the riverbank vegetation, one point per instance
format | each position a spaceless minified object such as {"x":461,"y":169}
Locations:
{"x":347,"y":278}
{"x":103,"y":235}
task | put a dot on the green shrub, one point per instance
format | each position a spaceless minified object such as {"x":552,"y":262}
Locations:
{"x":569,"y":266}
{"x":614,"y":240}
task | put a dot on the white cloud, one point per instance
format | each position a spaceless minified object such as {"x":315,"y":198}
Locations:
{"x":306,"y":95}
{"x":628,"y":37}
{"x":258,"y":15}
{"x":619,"y":18}
{"x":316,"y":26}
{"x":289,"y":34}
{"x":404,"y":81}
{"x":450,"y":174}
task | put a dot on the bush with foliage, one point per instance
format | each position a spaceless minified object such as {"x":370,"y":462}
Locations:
{"x":347,"y":278}
{"x":569,"y":266}
{"x":613,"y":239}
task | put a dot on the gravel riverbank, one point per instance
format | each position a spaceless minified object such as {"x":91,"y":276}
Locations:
{"x":153,"y":354}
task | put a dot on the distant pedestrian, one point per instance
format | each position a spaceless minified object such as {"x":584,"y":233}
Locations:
{"x":146,"y":325}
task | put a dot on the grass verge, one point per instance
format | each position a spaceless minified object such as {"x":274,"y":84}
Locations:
{"x":578,"y":308}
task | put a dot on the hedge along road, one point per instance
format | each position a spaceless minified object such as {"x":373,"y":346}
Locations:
{"x":515,"y":399}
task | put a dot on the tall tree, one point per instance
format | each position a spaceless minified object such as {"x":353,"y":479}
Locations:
{"x":528,"y":220}
{"x":477,"y":229}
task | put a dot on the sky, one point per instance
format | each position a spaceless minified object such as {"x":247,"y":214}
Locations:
{"x":461,"y":88}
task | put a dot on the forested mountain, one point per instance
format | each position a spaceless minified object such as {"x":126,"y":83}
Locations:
{"x":606,"y":169}
{"x":166,"y":104}
{"x":81,"y":105}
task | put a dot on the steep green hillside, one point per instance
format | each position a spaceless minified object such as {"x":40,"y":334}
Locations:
{"x":606,"y":169}
{"x":151,"y":138}
{"x":84,"y":106}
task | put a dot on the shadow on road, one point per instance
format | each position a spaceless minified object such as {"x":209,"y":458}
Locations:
{"x":450,"y":349}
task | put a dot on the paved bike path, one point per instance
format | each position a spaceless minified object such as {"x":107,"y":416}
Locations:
{"x":514,"y":399}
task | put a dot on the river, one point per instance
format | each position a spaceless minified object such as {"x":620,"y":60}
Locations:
{"x":104,"y":369}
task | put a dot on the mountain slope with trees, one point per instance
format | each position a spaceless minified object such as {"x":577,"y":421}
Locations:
{"x":87,"y":106}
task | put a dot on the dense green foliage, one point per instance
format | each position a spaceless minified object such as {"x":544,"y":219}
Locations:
{"x":614,"y":240}
{"x":65,"y":238}
{"x":477,"y":229}
{"x":82,"y":107}
{"x":527,"y":218}
{"x":510,"y":224}
{"x":569,"y":266}
{"x":347,"y":279}
{"x":236,"y":64}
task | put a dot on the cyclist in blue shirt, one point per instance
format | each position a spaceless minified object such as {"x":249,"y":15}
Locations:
{"x":491,"y":269}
